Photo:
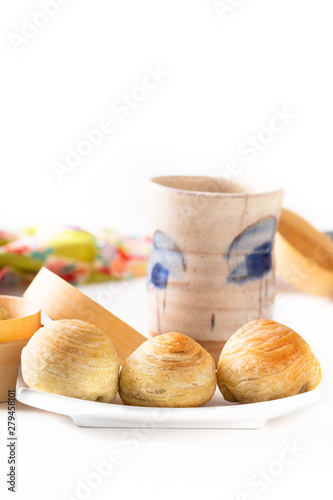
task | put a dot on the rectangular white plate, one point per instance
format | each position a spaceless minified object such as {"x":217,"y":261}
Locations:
{"x":217,"y":414}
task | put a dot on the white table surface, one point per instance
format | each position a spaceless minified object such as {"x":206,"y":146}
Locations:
{"x":55,"y":456}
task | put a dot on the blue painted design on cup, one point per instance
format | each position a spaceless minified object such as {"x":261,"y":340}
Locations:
{"x":250,"y":253}
{"x":159,"y":276}
{"x":260,"y":261}
{"x":165,"y":260}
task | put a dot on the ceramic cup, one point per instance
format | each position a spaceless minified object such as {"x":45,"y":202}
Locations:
{"x":211,"y":266}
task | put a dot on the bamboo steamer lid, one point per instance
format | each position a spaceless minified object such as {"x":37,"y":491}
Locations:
{"x":60,"y":300}
{"x":304,"y":255}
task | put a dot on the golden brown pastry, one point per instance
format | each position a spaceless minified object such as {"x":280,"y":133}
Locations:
{"x":72,"y":358}
{"x":170,"y":370}
{"x":3,"y":313}
{"x":266,"y":360}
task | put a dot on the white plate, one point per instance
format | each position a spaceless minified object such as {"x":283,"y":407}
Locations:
{"x":217,"y":414}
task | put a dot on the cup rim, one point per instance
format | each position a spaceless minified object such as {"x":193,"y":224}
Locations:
{"x":271,"y":186}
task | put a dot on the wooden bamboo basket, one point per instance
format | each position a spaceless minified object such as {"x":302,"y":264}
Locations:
{"x":60,"y":300}
{"x":304,"y":255}
{"x":14,"y":334}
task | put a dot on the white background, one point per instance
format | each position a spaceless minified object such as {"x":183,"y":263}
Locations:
{"x":225,"y":77}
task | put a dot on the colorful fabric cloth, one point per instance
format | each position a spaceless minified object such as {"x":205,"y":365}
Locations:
{"x":78,"y":256}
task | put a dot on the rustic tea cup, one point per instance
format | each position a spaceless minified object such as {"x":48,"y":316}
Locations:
{"x":211,"y":266}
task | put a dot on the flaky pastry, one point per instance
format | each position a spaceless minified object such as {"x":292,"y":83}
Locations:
{"x":72,"y":358}
{"x":265,"y":360}
{"x":170,"y":370}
